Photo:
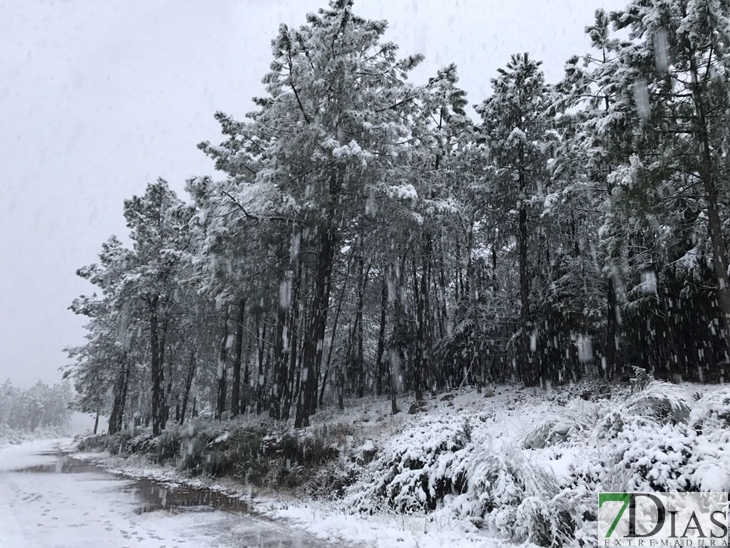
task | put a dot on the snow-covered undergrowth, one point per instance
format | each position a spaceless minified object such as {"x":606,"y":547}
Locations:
{"x":528,"y":467}
{"x":258,"y":452}
{"x":523,"y":466}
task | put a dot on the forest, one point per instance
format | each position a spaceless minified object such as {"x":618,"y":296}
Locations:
{"x":24,"y":410}
{"x":364,"y":234}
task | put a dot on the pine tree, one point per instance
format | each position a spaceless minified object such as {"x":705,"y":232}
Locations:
{"x":330,"y":126}
{"x":515,"y":126}
{"x":158,"y":223}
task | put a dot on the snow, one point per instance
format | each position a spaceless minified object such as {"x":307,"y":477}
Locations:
{"x":648,"y":282}
{"x":330,"y":523}
{"x":285,"y":294}
{"x":661,"y":50}
{"x":223,"y":437}
{"x":641,"y":97}
{"x":516,"y":136}
{"x":585,"y":348}
{"x":403,"y":192}
{"x":295,"y":245}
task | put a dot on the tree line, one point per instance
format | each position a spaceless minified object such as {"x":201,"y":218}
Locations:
{"x":40,"y":406}
{"x":370,"y":236}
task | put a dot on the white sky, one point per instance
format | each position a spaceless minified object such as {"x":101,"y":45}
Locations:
{"x":100,"y":97}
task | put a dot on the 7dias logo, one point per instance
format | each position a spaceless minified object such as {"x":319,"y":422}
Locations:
{"x":663,"y":519}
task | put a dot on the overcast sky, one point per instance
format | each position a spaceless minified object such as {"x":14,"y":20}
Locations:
{"x":100,"y":97}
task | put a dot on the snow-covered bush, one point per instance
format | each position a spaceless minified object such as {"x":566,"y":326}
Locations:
{"x":509,"y":492}
{"x":539,"y":482}
{"x":651,"y":458}
{"x":668,"y":442}
{"x":710,"y":421}
{"x":331,"y":480}
{"x":254,"y":452}
{"x":216,"y":451}
{"x":574,"y":421}
{"x":168,"y":445}
{"x":114,"y":444}
{"x":711,"y":413}
{"x":422,"y":466}
{"x":662,"y":402}
{"x":521,"y":497}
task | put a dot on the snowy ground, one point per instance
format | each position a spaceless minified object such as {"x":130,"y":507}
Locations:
{"x":79,"y":424}
{"x":43,"y":505}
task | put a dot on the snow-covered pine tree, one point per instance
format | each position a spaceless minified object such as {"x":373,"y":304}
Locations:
{"x":515,"y":125}
{"x":103,"y":363}
{"x":334,"y":122}
{"x":158,"y":222}
{"x":667,"y":127}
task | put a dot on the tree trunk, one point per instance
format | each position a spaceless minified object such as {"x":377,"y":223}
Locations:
{"x":156,"y":370}
{"x":397,"y":354}
{"x":247,"y":370}
{"x":610,"y":350}
{"x":281,"y":360}
{"x":237,"y":356}
{"x":222,"y":373}
{"x":188,"y":384}
{"x":359,"y":329}
{"x":120,"y":397}
{"x":495,"y":284}
{"x":459,"y":285}
{"x":165,"y":393}
{"x":293,"y":339}
{"x":334,"y":331}
{"x":441,"y":293}
{"x":420,"y":345}
{"x":474,"y":301}
{"x":428,"y":375}
{"x":260,"y":349}
{"x":315,"y":337}
{"x":381,"y":336}
{"x":525,"y":370}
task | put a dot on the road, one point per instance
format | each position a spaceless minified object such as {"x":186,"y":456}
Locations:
{"x":48,"y":500}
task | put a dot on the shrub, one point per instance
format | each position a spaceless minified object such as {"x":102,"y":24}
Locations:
{"x":521,"y":500}
{"x":114,"y":444}
{"x":193,"y":454}
{"x":331,"y":480}
{"x":655,"y":459}
{"x":216,"y":453}
{"x":92,"y":444}
{"x":423,"y":467}
{"x":168,"y":445}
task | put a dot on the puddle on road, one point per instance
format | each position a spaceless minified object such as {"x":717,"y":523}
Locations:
{"x":151,"y":494}
{"x":176,"y":499}
{"x":65,"y":465}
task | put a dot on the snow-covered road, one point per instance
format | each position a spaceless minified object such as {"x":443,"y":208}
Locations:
{"x":44,"y":504}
